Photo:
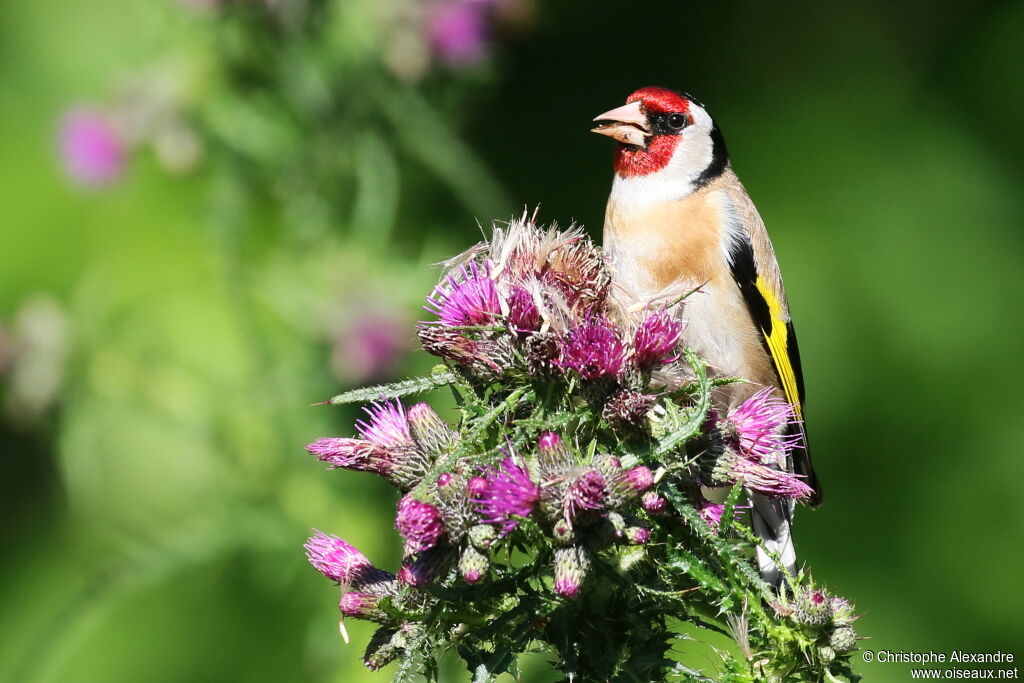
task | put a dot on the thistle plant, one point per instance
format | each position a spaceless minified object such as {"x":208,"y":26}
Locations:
{"x":589,"y":500}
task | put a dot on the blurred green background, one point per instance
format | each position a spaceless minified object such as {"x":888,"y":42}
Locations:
{"x":284,"y":172}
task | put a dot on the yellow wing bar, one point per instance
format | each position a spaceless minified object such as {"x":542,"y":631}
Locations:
{"x":778,"y":343}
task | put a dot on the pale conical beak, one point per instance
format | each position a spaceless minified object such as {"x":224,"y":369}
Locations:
{"x":629,"y":124}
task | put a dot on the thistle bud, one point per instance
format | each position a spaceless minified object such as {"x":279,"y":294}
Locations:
{"x":826,"y":653}
{"x":482,"y":536}
{"x":842,"y":611}
{"x":476,"y":487}
{"x":654,"y":503}
{"x":812,"y":608}
{"x":584,"y":496}
{"x":843,"y":639}
{"x":473,"y":565}
{"x":637,"y":535}
{"x":593,"y":349}
{"x":360,"y":605}
{"x":342,"y":562}
{"x":421,"y":569}
{"x":429,"y":430}
{"x":608,"y":465}
{"x":381,"y":651}
{"x":552,"y":452}
{"x":626,"y":411}
{"x":523,"y":314}
{"x":640,"y":478}
{"x":562,"y":532}
{"x":572,"y":565}
{"x":420,"y":523}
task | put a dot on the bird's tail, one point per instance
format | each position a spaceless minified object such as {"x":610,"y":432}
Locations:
{"x":772,"y":519}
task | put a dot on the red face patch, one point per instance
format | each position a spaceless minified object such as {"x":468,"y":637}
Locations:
{"x":632,"y":161}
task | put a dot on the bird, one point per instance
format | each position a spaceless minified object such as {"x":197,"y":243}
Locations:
{"x":678,"y":214}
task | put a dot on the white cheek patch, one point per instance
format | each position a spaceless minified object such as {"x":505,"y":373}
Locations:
{"x":692,"y":156}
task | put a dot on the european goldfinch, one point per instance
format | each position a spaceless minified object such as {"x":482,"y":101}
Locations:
{"x":678,"y":214}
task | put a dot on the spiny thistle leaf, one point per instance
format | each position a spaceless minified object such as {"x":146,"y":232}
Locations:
{"x":413,"y":385}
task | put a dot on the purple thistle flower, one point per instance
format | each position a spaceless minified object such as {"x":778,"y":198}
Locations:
{"x":361,"y":606}
{"x":654,"y":503}
{"x":353,"y":454}
{"x":757,"y":426}
{"x":510,"y":494}
{"x":523,"y":314}
{"x":471,"y":299}
{"x":586,"y":493}
{"x":457,"y":32}
{"x":592,"y":349}
{"x":656,"y":339}
{"x":91,"y":149}
{"x":477,"y":486}
{"x":710,"y":512}
{"x":637,"y":535}
{"x":419,"y":523}
{"x":770,"y":481}
{"x":387,"y":427}
{"x":338,"y":560}
{"x":640,"y":478}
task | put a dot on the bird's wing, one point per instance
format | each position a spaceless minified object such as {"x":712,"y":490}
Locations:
{"x":756,"y":271}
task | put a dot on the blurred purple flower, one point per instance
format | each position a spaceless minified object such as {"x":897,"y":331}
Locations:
{"x":457,"y":32}
{"x":91,"y":149}
{"x":369,"y":348}
{"x":592,"y":349}
{"x":637,"y":535}
{"x":510,"y":494}
{"x":711,"y":512}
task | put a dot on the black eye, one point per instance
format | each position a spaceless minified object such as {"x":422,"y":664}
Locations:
{"x":677,"y":121}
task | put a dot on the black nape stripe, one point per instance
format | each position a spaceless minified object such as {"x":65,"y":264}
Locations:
{"x":719,"y":161}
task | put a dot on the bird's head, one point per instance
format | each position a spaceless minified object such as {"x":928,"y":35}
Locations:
{"x":667,"y":133}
